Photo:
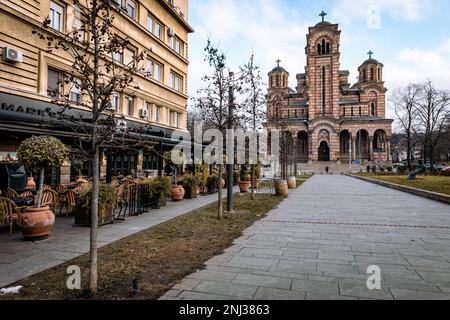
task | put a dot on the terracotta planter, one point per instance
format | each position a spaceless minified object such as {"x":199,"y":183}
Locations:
{"x":222,"y":183}
{"x":292,"y":183}
{"x":31,"y":184}
{"x":36,"y":223}
{"x":281,"y":188}
{"x":257,"y":182}
{"x":243,"y":186}
{"x":177,"y":193}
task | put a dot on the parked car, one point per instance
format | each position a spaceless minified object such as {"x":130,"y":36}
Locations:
{"x":446,"y":170}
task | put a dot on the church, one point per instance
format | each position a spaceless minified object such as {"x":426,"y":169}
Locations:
{"x":326,"y":118}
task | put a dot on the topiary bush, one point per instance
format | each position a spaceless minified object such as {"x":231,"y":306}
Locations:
{"x":40,"y":152}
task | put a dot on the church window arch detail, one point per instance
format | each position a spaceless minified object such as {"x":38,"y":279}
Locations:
{"x":323,"y":47}
{"x":372,"y":74}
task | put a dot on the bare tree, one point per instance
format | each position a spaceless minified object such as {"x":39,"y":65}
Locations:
{"x":433,"y":111}
{"x":405,"y":102}
{"x":212,"y":103}
{"x":254,"y":102}
{"x":93,"y":45}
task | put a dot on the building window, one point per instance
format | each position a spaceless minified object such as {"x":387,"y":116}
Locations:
{"x":360,"y":111}
{"x":176,"y":82}
{"x":154,"y":70}
{"x":56,"y":16}
{"x":372,"y":109}
{"x":365,"y":75}
{"x":379,"y":74}
{"x":343,"y":113}
{"x":53,"y":83}
{"x":158,"y":115}
{"x":128,"y":56}
{"x":177,"y":45}
{"x":148,"y":105}
{"x":120,"y":3}
{"x":130,"y":106}
{"x":372,"y":74}
{"x":131,"y":9}
{"x":75,"y":91}
{"x":118,"y":56}
{"x":154,"y":27}
{"x":323,"y":90}
{"x":178,"y":116}
{"x":115,"y":102}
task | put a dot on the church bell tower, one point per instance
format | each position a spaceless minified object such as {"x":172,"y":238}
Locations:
{"x":322,"y":69}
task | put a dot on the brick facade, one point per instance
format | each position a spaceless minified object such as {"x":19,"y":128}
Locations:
{"x":325,"y":111}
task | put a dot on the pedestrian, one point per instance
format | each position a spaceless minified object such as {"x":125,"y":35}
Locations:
{"x":327,"y":169}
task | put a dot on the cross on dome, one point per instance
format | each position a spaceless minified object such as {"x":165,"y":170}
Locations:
{"x":323,"y":14}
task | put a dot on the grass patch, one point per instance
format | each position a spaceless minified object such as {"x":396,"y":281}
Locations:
{"x":158,"y":257}
{"x":437,"y":184}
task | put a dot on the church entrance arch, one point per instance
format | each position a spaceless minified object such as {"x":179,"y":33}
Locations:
{"x":324,"y":151}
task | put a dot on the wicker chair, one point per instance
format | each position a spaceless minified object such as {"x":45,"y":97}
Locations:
{"x":10,"y":193}
{"x":9,"y":212}
{"x":50,"y":198}
{"x":69,"y":202}
{"x":26,"y":194}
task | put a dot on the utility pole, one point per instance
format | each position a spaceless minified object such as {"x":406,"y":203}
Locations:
{"x":230,"y":167}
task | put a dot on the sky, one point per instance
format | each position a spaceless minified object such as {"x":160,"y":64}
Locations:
{"x":410,"y":37}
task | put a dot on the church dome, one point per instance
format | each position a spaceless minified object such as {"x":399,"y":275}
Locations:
{"x":324,"y":24}
{"x":278,"y":69}
{"x":370,"y":61}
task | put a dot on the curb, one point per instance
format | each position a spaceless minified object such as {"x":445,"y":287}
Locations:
{"x":418,"y":192}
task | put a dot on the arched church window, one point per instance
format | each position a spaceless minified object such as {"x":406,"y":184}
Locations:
{"x":278,"y":80}
{"x":365,"y":75}
{"x":323,"y":46}
{"x":328,"y":48}
{"x":372,"y":74}
{"x":379,"y":74}
{"x":372,"y":109}
{"x":360,"y":111}
{"x":319,"y":48}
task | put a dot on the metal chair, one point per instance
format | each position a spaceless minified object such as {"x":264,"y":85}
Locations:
{"x":60,"y":188}
{"x":9,"y":212}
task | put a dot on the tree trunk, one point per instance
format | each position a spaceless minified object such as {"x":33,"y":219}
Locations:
{"x":93,"y":274}
{"x":409,"y":149}
{"x":253,"y":182}
{"x":220,"y":207}
{"x":41,"y":186}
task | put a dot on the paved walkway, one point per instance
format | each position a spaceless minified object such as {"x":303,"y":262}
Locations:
{"x":319,"y":243}
{"x":20,"y":259}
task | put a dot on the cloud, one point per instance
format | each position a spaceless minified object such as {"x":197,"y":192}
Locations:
{"x":418,"y":65}
{"x":410,"y":10}
{"x":271,"y":29}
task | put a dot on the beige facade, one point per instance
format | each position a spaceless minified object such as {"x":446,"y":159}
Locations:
{"x":29,"y":78}
{"x":158,"y":27}
{"x":325,"y":118}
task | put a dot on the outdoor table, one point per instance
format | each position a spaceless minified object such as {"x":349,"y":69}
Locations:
{"x":23,"y":202}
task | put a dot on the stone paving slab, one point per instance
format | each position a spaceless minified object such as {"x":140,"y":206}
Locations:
{"x":20,"y":259}
{"x":322,"y":239}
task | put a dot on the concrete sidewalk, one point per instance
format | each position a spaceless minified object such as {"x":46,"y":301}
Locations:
{"x":319,"y":243}
{"x":20,"y":259}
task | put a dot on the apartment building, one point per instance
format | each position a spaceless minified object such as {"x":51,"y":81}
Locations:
{"x":28,"y":73}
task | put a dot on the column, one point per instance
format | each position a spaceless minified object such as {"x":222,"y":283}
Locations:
{"x":388,"y":150}
{"x":354,"y":149}
{"x":371,"y":149}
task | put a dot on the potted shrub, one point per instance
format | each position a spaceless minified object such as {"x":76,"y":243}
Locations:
{"x":38,"y":153}
{"x":190,"y":184}
{"x":107,"y":202}
{"x":258,"y":172}
{"x":212,"y":184}
{"x":177,"y":192}
{"x":245,"y":181}
{"x":160,"y":188}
